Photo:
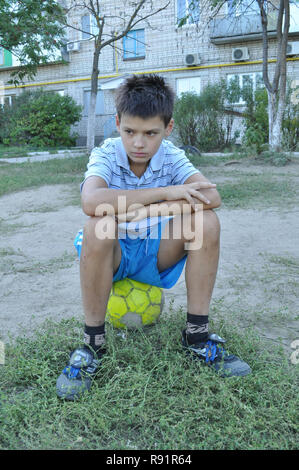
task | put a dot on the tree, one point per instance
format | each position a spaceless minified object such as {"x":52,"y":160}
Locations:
{"x":276,"y":87}
{"x":32,"y":30}
{"x":110,"y":25}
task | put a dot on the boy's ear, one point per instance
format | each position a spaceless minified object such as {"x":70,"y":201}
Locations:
{"x":117,"y":122}
{"x":169,"y":127}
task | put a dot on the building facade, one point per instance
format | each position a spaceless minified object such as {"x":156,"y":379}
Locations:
{"x":202,"y":50}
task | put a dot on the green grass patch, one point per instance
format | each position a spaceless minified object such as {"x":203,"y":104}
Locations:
{"x":13,"y":262}
{"x":286,"y":261}
{"x":147,"y":394}
{"x":25,"y":150}
{"x":245,"y":190}
{"x":16,"y":177}
{"x":250,"y":191}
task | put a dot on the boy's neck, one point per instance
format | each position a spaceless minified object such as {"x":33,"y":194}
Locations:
{"x":138,"y":170}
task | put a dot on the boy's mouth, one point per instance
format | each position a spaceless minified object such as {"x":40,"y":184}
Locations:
{"x":139,"y":154}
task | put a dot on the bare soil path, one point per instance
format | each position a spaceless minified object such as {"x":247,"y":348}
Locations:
{"x":257,"y":283}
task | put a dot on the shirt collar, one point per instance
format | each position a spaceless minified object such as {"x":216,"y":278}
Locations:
{"x":156,"y":161}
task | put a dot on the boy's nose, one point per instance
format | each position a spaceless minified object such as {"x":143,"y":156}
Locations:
{"x":138,"y":143}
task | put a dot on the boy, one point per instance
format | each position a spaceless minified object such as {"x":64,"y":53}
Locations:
{"x":122,"y":240}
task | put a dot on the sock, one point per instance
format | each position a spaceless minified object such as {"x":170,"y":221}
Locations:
{"x":197,"y":330}
{"x":94,"y":338}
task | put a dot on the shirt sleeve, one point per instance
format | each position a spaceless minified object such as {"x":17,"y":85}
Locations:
{"x":99,"y":164}
{"x":182,"y":168}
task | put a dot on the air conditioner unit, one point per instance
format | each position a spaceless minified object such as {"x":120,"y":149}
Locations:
{"x":73,"y":46}
{"x":293,"y":48}
{"x":240,"y":53}
{"x":192,"y":59}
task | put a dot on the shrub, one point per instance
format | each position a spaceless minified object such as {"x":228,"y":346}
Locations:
{"x":257,"y":123}
{"x":40,"y":119}
{"x":273,"y":158}
{"x":205,"y":121}
{"x":290,"y":125}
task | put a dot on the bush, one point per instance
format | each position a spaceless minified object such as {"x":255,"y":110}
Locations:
{"x":204,"y":120}
{"x":273,"y":158}
{"x":290,"y":124}
{"x":39,"y":119}
{"x":257,"y":123}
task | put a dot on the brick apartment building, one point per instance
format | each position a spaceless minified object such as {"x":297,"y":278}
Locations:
{"x":189,"y":57}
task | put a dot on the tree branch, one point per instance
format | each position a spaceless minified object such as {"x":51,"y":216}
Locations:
{"x":264,"y":21}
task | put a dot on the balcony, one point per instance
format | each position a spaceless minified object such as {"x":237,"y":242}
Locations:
{"x":244,"y":28}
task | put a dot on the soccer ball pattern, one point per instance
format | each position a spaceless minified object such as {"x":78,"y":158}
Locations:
{"x":133,"y":304}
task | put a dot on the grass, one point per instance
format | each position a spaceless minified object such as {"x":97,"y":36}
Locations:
{"x":15,"y":177}
{"x":242,"y":191}
{"x":147,"y":395}
{"x":257,"y":190}
{"x":13,"y":262}
{"x":23,"y":151}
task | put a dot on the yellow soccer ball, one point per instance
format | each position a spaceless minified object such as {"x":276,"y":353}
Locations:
{"x":133,"y":304}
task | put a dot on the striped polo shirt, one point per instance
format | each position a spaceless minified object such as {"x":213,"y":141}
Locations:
{"x":169,"y":166}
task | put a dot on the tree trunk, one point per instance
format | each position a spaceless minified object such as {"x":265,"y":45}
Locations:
{"x":277,"y":89}
{"x":93,"y":100}
{"x":275,"y":113}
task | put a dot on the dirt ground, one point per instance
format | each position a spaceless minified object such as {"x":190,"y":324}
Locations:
{"x":257,"y":282}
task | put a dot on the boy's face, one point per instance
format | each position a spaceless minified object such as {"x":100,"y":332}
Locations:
{"x":142,"y":137}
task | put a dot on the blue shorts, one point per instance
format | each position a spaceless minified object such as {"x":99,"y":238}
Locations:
{"x":139,"y":259}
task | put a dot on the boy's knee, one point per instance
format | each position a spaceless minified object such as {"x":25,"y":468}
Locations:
{"x":204,"y":228}
{"x":211,"y":226}
{"x":100,"y":230}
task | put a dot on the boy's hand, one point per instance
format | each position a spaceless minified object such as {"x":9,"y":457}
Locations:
{"x":190,"y":192}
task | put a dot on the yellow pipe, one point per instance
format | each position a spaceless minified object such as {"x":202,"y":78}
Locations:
{"x":115,"y":75}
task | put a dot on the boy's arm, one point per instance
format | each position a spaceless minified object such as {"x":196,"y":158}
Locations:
{"x":175,"y":206}
{"x":98,"y":199}
{"x":210,"y":193}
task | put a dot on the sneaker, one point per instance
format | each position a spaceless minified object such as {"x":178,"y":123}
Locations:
{"x":77,"y":376}
{"x":214,"y":355}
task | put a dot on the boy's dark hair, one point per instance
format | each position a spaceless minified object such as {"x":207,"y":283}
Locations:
{"x":145,"y":96}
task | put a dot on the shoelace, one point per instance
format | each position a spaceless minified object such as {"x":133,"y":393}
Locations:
{"x":71,"y":372}
{"x":212,"y":350}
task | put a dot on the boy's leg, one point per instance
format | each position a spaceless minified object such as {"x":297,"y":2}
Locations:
{"x":99,"y":260}
{"x":200,"y":275}
{"x":202,"y":264}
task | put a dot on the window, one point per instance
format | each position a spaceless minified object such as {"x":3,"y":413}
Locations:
{"x":243,"y":80}
{"x":134,"y":45}
{"x":243,"y":7}
{"x":188,"y":11}
{"x":184,"y":85}
{"x":294,"y":16}
{"x":99,"y":103}
{"x":89,"y":27}
{"x":60,"y":92}
{"x":5,"y":58}
{"x":7,"y":100}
